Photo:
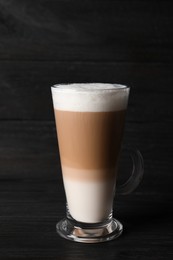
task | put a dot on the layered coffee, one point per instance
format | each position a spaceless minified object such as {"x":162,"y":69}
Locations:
{"x":89,"y":130}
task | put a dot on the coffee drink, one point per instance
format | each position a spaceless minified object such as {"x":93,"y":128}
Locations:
{"x":89,"y":131}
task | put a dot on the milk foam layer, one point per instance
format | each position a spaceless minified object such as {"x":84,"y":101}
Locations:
{"x":90,"y":97}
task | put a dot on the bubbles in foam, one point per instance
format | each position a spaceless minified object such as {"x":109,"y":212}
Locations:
{"x":88,"y":86}
{"x":90,"y":97}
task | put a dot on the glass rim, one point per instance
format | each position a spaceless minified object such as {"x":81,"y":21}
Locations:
{"x":113,"y":87}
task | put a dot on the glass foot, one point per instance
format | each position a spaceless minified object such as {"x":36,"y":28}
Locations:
{"x":89,"y":233}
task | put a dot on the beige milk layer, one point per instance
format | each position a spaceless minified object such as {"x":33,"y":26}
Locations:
{"x":89,"y":120}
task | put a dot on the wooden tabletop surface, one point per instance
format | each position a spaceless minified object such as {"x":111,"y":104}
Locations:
{"x":32,"y":200}
{"x":45,"y":42}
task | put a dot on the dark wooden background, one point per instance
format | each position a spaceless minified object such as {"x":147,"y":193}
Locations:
{"x":43,"y":42}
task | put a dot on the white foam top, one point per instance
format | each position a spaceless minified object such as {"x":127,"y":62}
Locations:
{"x":90,"y":97}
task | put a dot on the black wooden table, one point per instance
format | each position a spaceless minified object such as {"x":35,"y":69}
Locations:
{"x":45,"y":42}
{"x":32,"y":201}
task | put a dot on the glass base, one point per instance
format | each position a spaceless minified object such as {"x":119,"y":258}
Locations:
{"x":89,"y":233}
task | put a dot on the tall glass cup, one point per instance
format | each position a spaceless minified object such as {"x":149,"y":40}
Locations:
{"x":90,"y":122}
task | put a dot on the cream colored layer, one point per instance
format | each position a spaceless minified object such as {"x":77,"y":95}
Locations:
{"x":89,"y":175}
{"x":89,"y":202}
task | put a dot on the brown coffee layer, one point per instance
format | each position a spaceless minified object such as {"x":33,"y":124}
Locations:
{"x":89,"y":140}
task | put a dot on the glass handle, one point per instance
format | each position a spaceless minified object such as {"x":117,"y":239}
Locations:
{"x":137,"y":172}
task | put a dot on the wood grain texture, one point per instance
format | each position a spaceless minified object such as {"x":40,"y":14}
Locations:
{"x":45,"y":42}
{"x":29,"y":151}
{"x":25,"y":86}
{"x":86,"y":30}
{"x":31,"y":209}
